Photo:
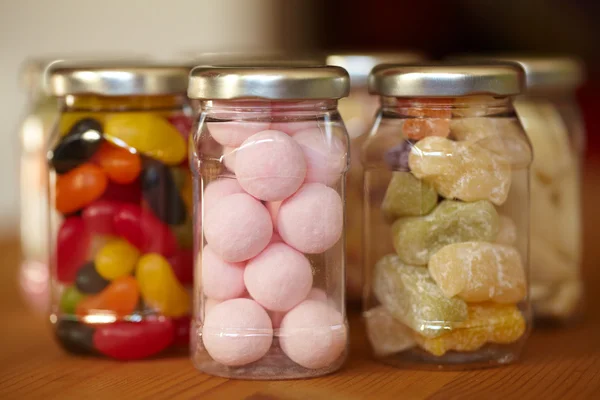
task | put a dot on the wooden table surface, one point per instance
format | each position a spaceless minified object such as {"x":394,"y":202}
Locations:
{"x":557,"y":364}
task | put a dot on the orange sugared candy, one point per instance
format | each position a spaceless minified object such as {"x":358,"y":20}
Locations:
{"x":430,"y":121}
{"x":120,"y":297}
{"x":79,"y":187}
{"x":118,"y":163}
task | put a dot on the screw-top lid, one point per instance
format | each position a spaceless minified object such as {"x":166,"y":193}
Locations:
{"x":446,"y":80}
{"x":359,"y":65}
{"x":273,"y":83}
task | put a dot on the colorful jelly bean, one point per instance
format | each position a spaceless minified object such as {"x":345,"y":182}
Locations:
{"x":89,"y":281}
{"x":182,"y":331}
{"x":159,"y":286}
{"x":182,"y":263}
{"x":144,"y":230}
{"x":75,"y":337}
{"x":72,"y":244}
{"x":161,"y":193}
{"x":184,"y":234}
{"x":149,"y":134}
{"x":116,"y":259}
{"x":121,"y":165}
{"x":129,"y":193}
{"x":120,"y":298}
{"x":68,"y":120}
{"x":69,"y":299}
{"x":78,"y":146}
{"x":134,"y":340}
{"x":183,"y":124}
{"x":79,"y":187}
{"x":99,"y":216}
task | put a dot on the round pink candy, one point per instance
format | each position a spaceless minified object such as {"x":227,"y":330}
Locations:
{"x":293,"y":127}
{"x":317,"y":294}
{"x":238,"y":228}
{"x":221,"y":280}
{"x":233,"y":133}
{"x":278,"y":278}
{"x":209,"y":304}
{"x":312,"y":219}
{"x":237,"y":332}
{"x":270,"y":165}
{"x":325,"y":155}
{"x":313,"y":334}
{"x":228,"y":157}
{"x":273,"y":208}
{"x":218,"y":189}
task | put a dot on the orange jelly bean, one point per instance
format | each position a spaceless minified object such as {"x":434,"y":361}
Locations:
{"x":79,"y":187}
{"x":120,"y":297}
{"x":118,"y":163}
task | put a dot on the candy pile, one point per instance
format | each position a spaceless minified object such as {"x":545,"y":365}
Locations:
{"x":456,"y":278}
{"x":266,"y":224}
{"x":123,"y":256}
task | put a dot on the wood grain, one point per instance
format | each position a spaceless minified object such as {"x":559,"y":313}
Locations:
{"x":557,"y":363}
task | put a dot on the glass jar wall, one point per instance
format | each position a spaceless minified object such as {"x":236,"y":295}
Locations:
{"x":270,"y":153}
{"x":446,"y":217}
{"x":121,"y":199}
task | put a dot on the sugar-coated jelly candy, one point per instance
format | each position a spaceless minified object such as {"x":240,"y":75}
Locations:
{"x":119,"y":298}
{"x":182,"y":331}
{"x":121,"y":165}
{"x":72,"y":245}
{"x":116,"y":258}
{"x":479,"y":271}
{"x":461,"y":170}
{"x":161,"y":192}
{"x":89,"y":281}
{"x":417,"y":238}
{"x":487,"y":323}
{"x":182,"y":263}
{"x":134,"y":340}
{"x":148,"y":133}
{"x":386,"y":334}
{"x":75,"y":337}
{"x":410,"y":294}
{"x":79,"y":187}
{"x":129,"y":193}
{"x":69,"y":299}
{"x":160,"y":288}
{"x":146,"y":232}
{"x":99,"y":216}
{"x":397,"y":157}
{"x":78,"y":146}
{"x":408,"y":196}
{"x":507,"y":232}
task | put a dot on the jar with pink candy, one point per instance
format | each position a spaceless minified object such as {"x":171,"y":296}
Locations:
{"x":269,"y":158}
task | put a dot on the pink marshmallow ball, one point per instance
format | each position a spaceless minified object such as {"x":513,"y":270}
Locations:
{"x":221,"y":280}
{"x":325,"y":155}
{"x":317,"y":294}
{"x":313,"y":334}
{"x":233,"y":133}
{"x":228,"y":157}
{"x":276,"y":238}
{"x":237,"y":332}
{"x":273,"y":208}
{"x":312,"y":219}
{"x":238,"y":228}
{"x":278,"y":278}
{"x":216,"y":190}
{"x":270,"y":165}
{"x":209,"y":304}
{"x":293,"y":127}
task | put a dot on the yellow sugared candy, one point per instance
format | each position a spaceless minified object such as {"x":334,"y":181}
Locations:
{"x":507,"y":233}
{"x":461,"y":170}
{"x":487,"y":323}
{"x":479,"y":271}
{"x":159,"y":286}
{"x":386,"y":334}
{"x":149,"y":134}
{"x":116,"y":258}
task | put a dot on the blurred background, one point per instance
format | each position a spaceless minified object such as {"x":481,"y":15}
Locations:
{"x":169,"y":29}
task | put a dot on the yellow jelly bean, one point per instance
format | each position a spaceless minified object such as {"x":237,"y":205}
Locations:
{"x":116,"y":258}
{"x":159,"y":286}
{"x":147,"y":133}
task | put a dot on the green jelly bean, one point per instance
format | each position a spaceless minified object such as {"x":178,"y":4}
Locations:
{"x":69,"y":299}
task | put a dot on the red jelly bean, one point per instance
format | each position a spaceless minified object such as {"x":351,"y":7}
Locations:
{"x":183,"y":125}
{"x":72,"y":244}
{"x":99,"y":216}
{"x":79,"y":187}
{"x":134,"y":340}
{"x":146,"y":232}
{"x":182,"y":331}
{"x":130,"y":193}
{"x":182,"y":264}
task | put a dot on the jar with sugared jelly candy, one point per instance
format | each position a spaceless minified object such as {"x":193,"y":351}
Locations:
{"x":358,"y":111}
{"x":446,"y":216}
{"x":270,"y":153}
{"x":121,"y":205}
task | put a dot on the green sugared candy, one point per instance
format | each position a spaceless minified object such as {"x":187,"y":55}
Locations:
{"x":409,"y":293}
{"x":69,"y":299}
{"x":416,"y":239}
{"x":408,"y":196}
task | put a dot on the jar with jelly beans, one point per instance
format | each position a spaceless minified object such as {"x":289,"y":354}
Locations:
{"x":447,"y":214}
{"x":121,"y":200}
{"x":358,"y":111}
{"x":270,"y":153}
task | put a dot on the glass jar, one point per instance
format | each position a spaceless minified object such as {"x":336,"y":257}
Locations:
{"x":358,"y":111}
{"x":270,"y":155}
{"x":121,"y":200}
{"x":446,"y":216}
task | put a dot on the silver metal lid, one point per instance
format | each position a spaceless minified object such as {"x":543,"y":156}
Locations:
{"x":116,"y":79}
{"x":359,"y":65}
{"x":273,"y":83}
{"x":446,"y":80}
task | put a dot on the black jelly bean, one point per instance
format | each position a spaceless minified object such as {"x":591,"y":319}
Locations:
{"x":397,"y":157}
{"x":77,"y":146}
{"x":75,"y":337}
{"x":160,"y":191}
{"x":89,"y":281}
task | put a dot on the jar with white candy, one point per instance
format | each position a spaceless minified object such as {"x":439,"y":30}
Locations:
{"x":269,"y":157}
{"x":447,"y":241}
